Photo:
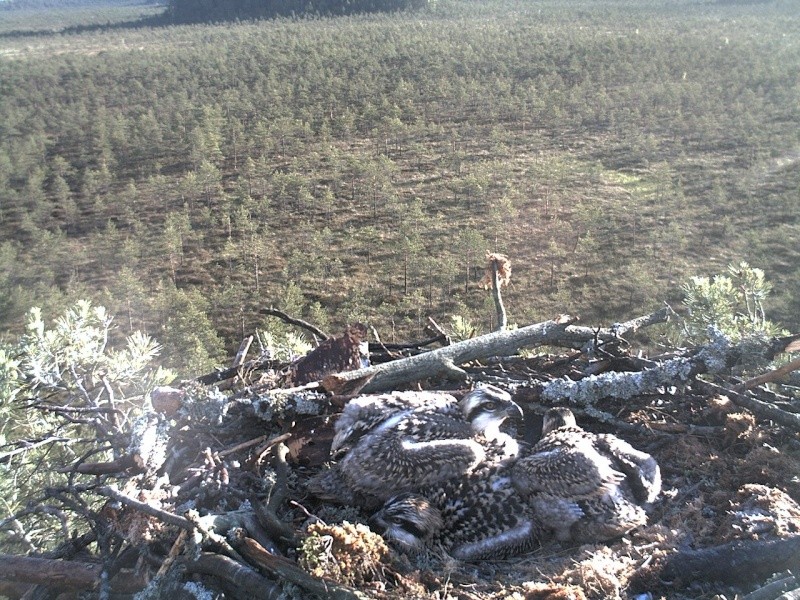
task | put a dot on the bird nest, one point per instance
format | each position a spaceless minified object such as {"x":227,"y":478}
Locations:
{"x":228,"y":508}
{"x":727,"y":478}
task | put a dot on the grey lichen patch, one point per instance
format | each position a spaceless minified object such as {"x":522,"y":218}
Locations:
{"x":716,"y":353}
{"x":723,"y":354}
{"x":277,"y":404}
{"x":149,"y":440}
{"x":624,"y":385}
{"x":204,"y":404}
{"x":198,"y":591}
{"x":716,"y":356}
{"x":162,"y":586}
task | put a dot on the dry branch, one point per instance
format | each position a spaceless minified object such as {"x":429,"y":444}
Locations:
{"x":774,"y":375}
{"x":286,"y":570}
{"x":745,"y":561}
{"x":5,"y":456}
{"x":782,"y":589}
{"x":440,"y":337}
{"x":241,"y":354}
{"x":558,"y":332}
{"x":715,"y":357}
{"x":498,"y":274}
{"x":243,"y":581}
{"x":55,"y":573}
{"x":128,"y":462}
{"x":761,"y":409}
{"x":19,"y":575}
{"x":390,"y":375}
{"x":274,"y":312}
{"x":163,"y":515}
{"x":251,"y":365}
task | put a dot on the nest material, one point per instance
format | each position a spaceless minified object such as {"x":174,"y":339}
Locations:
{"x":503,"y":271}
{"x":350,"y":554}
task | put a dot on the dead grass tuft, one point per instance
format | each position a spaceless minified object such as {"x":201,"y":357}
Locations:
{"x":348,"y":554}
{"x":549,"y":591}
{"x":503,"y":270}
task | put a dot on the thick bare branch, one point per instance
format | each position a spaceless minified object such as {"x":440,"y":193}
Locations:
{"x":558,"y":332}
{"x":244,"y":580}
{"x":286,"y":570}
{"x":57,"y":573}
{"x":445,"y":360}
{"x":274,"y":312}
{"x":738,"y":562}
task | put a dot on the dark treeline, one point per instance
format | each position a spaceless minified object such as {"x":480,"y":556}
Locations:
{"x":196,"y":11}
{"x":8,"y":5}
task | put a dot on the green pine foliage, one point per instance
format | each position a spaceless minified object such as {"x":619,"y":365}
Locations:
{"x":730,"y":303}
{"x":65,"y":393}
{"x":610,"y":149}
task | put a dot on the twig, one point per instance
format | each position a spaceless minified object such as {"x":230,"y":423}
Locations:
{"x":440,"y":338}
{"x":242,"y":446}
{"x":51,"y":440}
{"x":761,"y":409}
{"x":274,"y":312}
{"x":381,"y":344}
{"x":177,"y":547}
{"x":770,"y":376}
{"x":270,"y":443}
{"x":167,"y":517}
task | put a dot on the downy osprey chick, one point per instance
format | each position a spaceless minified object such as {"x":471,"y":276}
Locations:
{"x":585,"y":486}
{"x":405,"y":441}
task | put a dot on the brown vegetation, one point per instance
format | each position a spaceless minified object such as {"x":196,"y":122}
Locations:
{"x":726,"y":520}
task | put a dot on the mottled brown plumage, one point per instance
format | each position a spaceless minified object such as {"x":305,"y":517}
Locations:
{"x":585,"y":486}
{"x":334,"y":355}
{"x":479,"y":516}
{"x":391,"y":443}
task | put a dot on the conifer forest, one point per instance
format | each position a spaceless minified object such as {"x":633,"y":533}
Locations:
{"x":360,"y":167}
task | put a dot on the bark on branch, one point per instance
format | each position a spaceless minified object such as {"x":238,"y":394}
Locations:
{"x":55,"y":573}
{"x":286,"y":570}
{"x":243,"y":580}
{"x":445,"y":360}
{"x":744,"y":561}
{"x":389,"y":375}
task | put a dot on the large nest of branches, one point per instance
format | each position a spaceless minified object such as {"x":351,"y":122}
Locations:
{"x":208,"y":495}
